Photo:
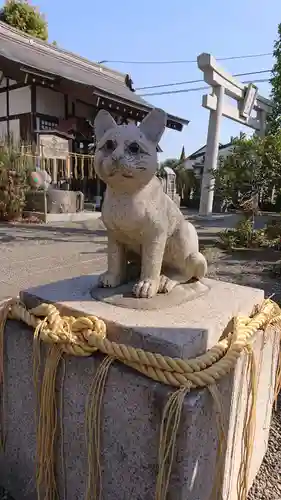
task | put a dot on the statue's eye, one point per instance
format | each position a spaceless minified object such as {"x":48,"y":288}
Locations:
{"x":110,"y":145}
{"x":134,"y":148}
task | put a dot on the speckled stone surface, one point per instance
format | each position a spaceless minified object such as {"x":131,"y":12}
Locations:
{"x":133,"y":404}
{"x":186,"y":330}
{"x":140,"y":218}
{"x":122,"y":296}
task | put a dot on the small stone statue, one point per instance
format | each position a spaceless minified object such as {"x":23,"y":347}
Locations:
{"x":40,"y":180}
{"x":144,"y":225}
{"x":55,"y":200}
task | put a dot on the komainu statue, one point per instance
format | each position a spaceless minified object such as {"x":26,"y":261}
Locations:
{"x":146,"y":230}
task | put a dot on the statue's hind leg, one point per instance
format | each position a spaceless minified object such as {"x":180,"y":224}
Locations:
{"x":185,"y":253}
{"x":183,"y":261}
{"x":195,"y":267}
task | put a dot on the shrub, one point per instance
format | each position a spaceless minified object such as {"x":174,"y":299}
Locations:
{"x":244,"y":236}
{"x":14,"y":172}
{"x":227,"y":239}
{"x":244,"y":232}
{"x":273,"y":229}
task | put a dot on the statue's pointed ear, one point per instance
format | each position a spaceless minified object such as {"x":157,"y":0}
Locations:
{"x":103,"y":122}
{"x":154,"y":125}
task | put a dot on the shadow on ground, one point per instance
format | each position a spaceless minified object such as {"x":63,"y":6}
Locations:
{"x":11,"y":233}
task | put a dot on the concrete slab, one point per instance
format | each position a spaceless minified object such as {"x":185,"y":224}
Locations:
{"x":122,"y":296}
{"x":186,"y":330}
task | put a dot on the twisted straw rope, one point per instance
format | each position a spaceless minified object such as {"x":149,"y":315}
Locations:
{"x":84,"y":335}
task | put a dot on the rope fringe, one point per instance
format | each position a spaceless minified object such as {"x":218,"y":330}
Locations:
{"x":221,"y":442}
{"x":93,"y":428}
{"x":167,"y":440}
{"x":248,"y":434}
{"x":47,"y":428}
{"x":4,"y":311}
{"x":83,"y":336}
{"x":278,"y":381}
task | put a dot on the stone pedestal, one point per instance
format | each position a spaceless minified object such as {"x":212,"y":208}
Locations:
{"x":133,"y":404}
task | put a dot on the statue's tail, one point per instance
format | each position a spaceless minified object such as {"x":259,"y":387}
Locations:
{"x":197,"y":264}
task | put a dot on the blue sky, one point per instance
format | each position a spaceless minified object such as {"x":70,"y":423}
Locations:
{"x":165,"y":30}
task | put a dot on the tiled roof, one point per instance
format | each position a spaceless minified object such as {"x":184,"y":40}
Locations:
{"x":33,"y":53}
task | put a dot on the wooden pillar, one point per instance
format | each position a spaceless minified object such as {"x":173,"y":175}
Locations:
{"x":55,"y":171}
{"x":33,"y":118}
{"x":73,"y":108}
{"x":66,"y":106}
{"x":8,"y":108}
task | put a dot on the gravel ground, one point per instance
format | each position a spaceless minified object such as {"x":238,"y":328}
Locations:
{"x":248,"y":267}
{"x":267,"y":485}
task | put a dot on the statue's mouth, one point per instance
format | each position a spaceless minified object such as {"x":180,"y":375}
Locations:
{"x":127,"y":175}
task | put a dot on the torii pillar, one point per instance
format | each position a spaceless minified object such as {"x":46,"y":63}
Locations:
{"x":211,"y":155}
{"x":246,"y":99}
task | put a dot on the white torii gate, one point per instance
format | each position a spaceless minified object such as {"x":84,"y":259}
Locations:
{"x":245,"y":100}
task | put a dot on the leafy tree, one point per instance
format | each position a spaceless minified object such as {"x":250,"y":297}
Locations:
{"x":25,"y":17}
{"x":252,"y":171}
{"x":14,"y":175}
{"x":182,"y":156}
{"x":274,"y":120}
{"x":185,"y":180}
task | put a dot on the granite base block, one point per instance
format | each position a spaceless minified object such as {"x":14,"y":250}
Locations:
{"x":133,"y":404}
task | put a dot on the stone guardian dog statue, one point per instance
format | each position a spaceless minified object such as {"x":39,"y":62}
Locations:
{"x":142,"y":222}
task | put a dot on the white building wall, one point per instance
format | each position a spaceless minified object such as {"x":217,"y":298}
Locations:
{"x":20,"y":101}
{"x":223,"y":153}
{"x":14,"y":126}
{"x":3,"y":104}
{"x":3,"y":130}
{"x":49,"y":102}
{"x":3,"y":83}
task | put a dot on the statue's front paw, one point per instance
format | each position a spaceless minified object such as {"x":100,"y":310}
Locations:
{"x":145,"y":289}
{"x":166,"y":284}
{"x":109,"y":280}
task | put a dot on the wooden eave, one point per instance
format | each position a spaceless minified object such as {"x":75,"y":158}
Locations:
{"x":71,"y":74}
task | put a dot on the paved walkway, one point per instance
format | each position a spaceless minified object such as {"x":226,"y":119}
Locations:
{"x":35,"y":255}
{"x":32,"y":255}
